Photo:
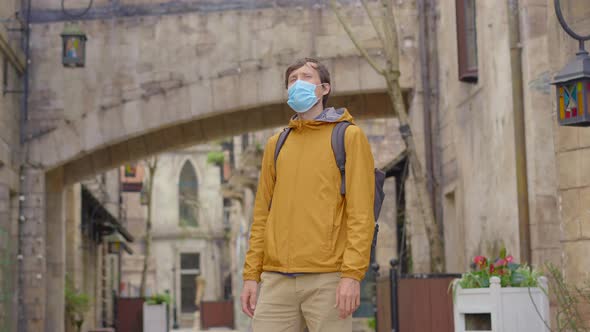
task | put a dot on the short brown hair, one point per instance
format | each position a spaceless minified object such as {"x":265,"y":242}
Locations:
{"x":320,"y":68}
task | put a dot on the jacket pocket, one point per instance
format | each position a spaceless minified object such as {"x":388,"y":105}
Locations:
{"x":270,"y":249}
{"x":334,"y":228}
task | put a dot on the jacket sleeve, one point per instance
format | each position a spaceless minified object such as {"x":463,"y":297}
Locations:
{"x":266,"y":182}
{"x":360,"y":193}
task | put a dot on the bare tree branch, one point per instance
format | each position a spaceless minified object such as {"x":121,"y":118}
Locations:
{"x":391,"y":75}
{"x":152,"y":164}
{"x":370,"y":60}
{"x":374,"y":23}
{"x":390,"y":27}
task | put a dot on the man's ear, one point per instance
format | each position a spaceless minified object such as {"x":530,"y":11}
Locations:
{"x":327,"y":89}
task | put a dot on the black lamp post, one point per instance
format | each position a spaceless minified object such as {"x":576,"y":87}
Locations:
{"x":174,"y":313}
{"x":573,"y":82}
{"x":375,"y":268}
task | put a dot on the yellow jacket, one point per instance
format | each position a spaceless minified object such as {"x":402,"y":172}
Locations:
{"x":310,"y":226}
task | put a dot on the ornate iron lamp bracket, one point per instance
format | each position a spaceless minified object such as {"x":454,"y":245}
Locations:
{"x":566,"y":27}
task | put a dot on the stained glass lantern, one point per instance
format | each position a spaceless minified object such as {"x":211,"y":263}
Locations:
{"x":573,"y":91}
{"x":73,"y":46}
{"x":115,"y":243}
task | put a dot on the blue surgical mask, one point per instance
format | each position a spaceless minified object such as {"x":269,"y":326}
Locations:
{"x":302,"y":96}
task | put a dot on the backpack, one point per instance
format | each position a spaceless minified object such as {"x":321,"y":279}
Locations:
{"x":340,"y":155}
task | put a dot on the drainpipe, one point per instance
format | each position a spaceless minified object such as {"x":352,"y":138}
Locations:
{"x":519,"y":130}
{"x":25,"y":102}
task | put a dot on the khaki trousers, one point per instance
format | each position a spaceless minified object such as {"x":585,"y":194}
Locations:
{"x":288,"y":304}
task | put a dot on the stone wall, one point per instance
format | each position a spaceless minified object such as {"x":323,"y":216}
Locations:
{"x":10,"y":109}
{"x":572,"y":147}
{"x":474,"y":139}
{"x":477,"y":139}
{"x":540,"y":135}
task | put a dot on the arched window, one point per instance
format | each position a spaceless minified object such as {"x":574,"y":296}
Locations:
{"x":188,"y":189}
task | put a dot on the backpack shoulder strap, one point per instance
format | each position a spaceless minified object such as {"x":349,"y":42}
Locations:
{"x":280,"y":143}
{"x":339,"y":151}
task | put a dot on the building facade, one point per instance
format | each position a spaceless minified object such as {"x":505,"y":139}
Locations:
{"x":504,"y":173}
{"x":189,"y":256}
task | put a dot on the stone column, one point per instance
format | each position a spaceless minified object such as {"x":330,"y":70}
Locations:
{"x":55,"y":250}
{"x":32,"y":248}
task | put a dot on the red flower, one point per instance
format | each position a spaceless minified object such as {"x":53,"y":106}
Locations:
{"x":480,"y":261}
{"x":492,"y":269}
{"x":509,"y":259}
{"x":502,"y":262}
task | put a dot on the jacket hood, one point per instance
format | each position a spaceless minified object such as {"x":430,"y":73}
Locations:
{"x":328,"y":116}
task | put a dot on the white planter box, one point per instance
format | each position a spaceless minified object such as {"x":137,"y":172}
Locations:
{"x":154,"y":318}
{"x":508,"y":309}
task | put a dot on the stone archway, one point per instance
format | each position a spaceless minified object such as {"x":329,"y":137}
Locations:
{"x":111,"y":154}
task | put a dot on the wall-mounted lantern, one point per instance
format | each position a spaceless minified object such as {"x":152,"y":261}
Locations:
{"x":573,"y":82}
{"x":117,"y":244}
{"x":73,"y":46}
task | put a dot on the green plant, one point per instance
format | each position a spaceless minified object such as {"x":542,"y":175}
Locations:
{"x":77,"y":305}
{"x":216,"y":157}
{"x":570,"y":300}
{"x":259,"y":147}
{"x":511,"y":274}
{"x":372,"y":322}
{"x":159,"y":299}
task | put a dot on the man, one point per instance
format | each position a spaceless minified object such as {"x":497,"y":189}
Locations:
{"x":309,"y":244}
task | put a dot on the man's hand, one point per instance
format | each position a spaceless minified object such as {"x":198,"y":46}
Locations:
{"x":249,"y":297}
{"x":348,"y":296}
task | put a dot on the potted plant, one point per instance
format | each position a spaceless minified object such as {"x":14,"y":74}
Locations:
{"x":501,"y":296}
{"x":77,"y":305}
{"x":155,"y":313}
